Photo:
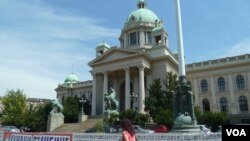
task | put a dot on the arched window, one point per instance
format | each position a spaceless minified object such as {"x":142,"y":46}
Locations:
{"x":240,"y":82}
{"x":204,"y":86}
{"x":205,"y":105}
{"x":223,"y":104}
{"x":243,"y":103}
{"x":221,"y":84}
{"x":133,"y":38}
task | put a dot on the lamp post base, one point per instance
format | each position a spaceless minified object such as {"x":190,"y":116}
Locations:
{"x":82,"y":117}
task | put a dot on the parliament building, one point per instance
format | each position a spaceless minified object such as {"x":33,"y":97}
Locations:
{"x":143,"y":55}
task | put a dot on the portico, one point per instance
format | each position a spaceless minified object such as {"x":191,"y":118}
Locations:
{"x":123,"y":75}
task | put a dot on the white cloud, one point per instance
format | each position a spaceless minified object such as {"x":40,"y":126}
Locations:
{"x":38,"y":46}
{"x":242,"y":47}
{"x":33,"y":85}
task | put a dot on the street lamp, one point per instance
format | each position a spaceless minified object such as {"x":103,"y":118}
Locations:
{"x":82,"y":101}
{"x":133,"y":96}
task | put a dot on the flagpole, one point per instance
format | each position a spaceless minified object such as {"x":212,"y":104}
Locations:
{"x":183,"y":106}
{"x":181,"y":60}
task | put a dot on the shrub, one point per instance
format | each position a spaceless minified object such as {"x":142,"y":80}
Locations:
{"x":99,"y":127}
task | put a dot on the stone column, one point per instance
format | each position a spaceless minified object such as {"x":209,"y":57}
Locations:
{"x":141,"y":37}
{"x":248,"y":88}
{"x":196,"y":92}
{"x":127,"y":88}
{"x":93,"y":103}
{"x":232,"y":103}
{"x":248,"y":82}
{"x":162,"y":39}
{"x":105,"y":88}
{"x":125,"y":40}
{"x":136,"y":90}
{"x":141,"y":89}
{"x":214,"y":105}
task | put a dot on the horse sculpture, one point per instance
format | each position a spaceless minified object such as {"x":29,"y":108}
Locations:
{"x":112,"y":105}
{"x":56,"y":107}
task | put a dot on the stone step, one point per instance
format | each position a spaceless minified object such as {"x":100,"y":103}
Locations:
{"x":79,"y":127}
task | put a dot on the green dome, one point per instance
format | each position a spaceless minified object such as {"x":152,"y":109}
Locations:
{"x":142,"y":15}
{"x":103,"y":44}
{"x":157,"y":29}
{"x":72,"y":78}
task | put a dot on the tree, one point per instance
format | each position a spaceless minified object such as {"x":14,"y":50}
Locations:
{"x":159,"y":102}
{"x":17,"y":112}
{"x":198,"y":114}
{"x":170,"y":82}
{"x":71,"y":109}
{"x":132,"y":115}
{"x":214,"y":119}
{"x":156,"y":99}
{"x":14,"y":108}
{"x":37,"y":116}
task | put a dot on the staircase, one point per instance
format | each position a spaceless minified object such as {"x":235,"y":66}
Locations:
{"x":79,"y":127}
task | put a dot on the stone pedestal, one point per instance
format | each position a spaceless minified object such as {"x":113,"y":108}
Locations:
{"x":183,"y":108}
{"x":82,"y":117}
{"x":106,"y":116}
{"x":54,"y":120}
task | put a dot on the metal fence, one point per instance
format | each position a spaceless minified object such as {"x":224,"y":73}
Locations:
{"x":117,"y":137}
{"x":1,"y":135}
{"x":148,"y":137}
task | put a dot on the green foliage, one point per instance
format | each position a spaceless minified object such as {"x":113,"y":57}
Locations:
{"x":159,"y":102}
{"x":170,"y":82}
{"x":164,"y":117}
{"x":71,"y":109}
{"x":156,"y":99}
{"x":14,"y":108}
{"x":141,"y":119}
{"x":129,"y":114}
{"x":16,"y":112}
{"x":214,"y":119}
{"x":37,"y":116}
{"x":99,"y":127}
{"x":132,"y":115}
{"x":198,"y":114}
{"x":113,"y":119}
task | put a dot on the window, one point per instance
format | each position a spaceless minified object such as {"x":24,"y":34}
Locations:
{"x":243,"y":103}
{"x":221,"y":84}
{"x":223,"y":104}
{"x":141,"y":5}
{"x":157,"y":40}
{"x":132,"y":38}
{"x":240,"y":82}
{"x":204,"y":86}
{"x":206,"y":105}
{"x":148,"y":37}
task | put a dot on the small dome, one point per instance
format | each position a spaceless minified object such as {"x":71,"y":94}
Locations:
{"x":103,"y":44}
{"x":158,"y":29}
{"x":142,"y":15}
{"x":72,"y":78}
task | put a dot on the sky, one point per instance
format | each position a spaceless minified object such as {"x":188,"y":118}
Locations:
{"x":43,"y":41}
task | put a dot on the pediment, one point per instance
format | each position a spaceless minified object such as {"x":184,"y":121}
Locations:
{"x":114,"y":54}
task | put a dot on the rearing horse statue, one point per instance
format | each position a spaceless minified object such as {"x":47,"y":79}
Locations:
{"x":112,"y":105}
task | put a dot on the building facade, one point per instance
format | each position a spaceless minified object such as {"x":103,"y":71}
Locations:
{"x":144,"y":55}
{"x":223,"y":85}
